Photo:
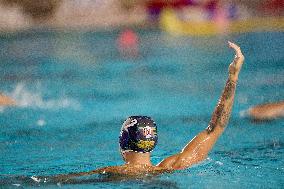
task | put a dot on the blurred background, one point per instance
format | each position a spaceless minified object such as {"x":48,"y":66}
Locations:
{"x":23,"y":14}
{"x":75,"y":69}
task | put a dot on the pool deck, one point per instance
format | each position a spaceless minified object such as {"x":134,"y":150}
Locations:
{"x":72,"y":15}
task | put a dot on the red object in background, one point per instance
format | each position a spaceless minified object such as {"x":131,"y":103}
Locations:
{"x":154,"y":7}
{"x":212,"y":4}
{"x":275,"y":7}
{"x":159,"y":4}
{"x":128,"y":38}
{"x":127,"y":43}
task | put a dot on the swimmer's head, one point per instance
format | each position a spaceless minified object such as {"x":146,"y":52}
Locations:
{"x":138,"y":134}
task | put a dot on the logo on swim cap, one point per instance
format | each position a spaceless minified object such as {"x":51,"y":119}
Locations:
{"x":148,"y":132}
{"x":138,"y":134}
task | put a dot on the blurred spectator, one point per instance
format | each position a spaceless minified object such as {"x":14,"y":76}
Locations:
{"x":154,"y":7}
{"x":23,"y":14}
{"x":17,"y":14}
{"x":272,"y":7}
{"x":36,"y":9}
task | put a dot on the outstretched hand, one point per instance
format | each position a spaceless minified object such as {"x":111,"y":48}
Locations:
{"x":236,"y":65}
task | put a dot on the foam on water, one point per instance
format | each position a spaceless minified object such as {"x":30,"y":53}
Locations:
{"x":24,"y":98}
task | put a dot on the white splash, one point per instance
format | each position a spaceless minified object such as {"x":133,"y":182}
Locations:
{"x":219,"y":163}
{"x":16,"y":185}
{"x":41,"y":122}
{"x":244,"y":113}
{"x":35,"y":179}
{"x":34,"y":99}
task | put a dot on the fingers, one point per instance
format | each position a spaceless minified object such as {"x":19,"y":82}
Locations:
{"x":236,"y":48}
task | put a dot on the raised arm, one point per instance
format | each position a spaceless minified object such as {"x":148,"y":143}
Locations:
{"x":198,"y":148}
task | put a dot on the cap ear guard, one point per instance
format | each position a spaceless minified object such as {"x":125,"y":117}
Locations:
{"x":138,"y":134}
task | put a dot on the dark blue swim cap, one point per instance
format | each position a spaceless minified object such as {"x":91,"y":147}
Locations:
{"x":138,"y":134}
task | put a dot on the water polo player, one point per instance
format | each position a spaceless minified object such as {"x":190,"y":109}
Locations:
{"x":138,"y":136}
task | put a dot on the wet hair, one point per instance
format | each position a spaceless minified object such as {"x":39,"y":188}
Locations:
{"x":138,"y":134}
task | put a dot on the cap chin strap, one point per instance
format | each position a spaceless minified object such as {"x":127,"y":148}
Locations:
{"x":123,"y":151}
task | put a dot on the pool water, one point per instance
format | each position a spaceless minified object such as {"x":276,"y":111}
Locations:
{"x":74,"y":90}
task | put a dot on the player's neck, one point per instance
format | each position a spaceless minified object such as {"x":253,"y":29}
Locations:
{"x":134,"y":158}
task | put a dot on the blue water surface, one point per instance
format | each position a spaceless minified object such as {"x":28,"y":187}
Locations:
{"x":74,"y":90}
